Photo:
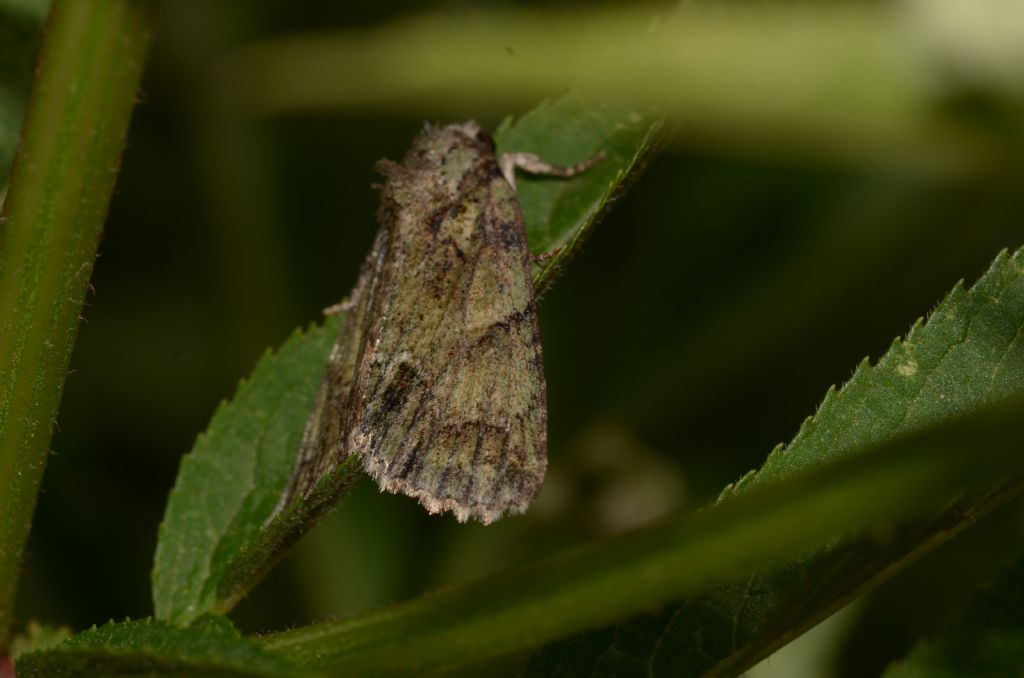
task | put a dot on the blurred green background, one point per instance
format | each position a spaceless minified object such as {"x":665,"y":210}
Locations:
{"x":703,"y":321}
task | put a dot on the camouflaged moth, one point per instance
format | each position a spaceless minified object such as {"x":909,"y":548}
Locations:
{"x":436,"y":381}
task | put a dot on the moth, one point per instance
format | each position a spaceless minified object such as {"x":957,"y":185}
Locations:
{"x":436,"y":381}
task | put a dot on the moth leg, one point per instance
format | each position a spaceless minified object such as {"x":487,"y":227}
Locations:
{"x":547,"y":256}
{"x":531,"y":162}
{"x":343,"y":306}
{"x":352,"y":300}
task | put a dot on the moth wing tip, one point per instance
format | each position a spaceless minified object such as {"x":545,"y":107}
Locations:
{"x":483,"y":512}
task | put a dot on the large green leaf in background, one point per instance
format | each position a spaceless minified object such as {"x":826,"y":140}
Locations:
{"x":859,"y":82}
{"x":888,"y":484}
{"x":967,"y":355}
{"x":213,"y":545}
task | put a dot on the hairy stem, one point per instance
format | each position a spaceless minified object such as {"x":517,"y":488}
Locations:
{"x":89,"y":65}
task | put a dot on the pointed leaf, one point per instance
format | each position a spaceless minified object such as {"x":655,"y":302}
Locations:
{"x":229,"y":484}
{"x":567,"y":131}
{"x":969,"y":353}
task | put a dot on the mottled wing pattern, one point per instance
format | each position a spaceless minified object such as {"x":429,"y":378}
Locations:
{"x":449,"y":397}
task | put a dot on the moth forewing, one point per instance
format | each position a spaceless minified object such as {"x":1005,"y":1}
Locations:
{"x":451,"y":401}
{"x":437,"y":381}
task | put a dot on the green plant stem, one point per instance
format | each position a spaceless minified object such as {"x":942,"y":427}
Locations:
{"x":90,"y":62}
{"x":639,"y":572}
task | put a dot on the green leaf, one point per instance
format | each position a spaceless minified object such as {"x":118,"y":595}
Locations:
{"x":559,"y":213}
{"x":230,"y":482}
{"x":905,"y":478}
{"x":986,"y":640}
{"x":213,"y":545}
{"x":209,"y":647}
{"x":967,"y":355}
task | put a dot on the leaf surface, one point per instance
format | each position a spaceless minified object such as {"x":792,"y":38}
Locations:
{"x":229,"y":483}
{"x":567,"y":131}
{"x":906,"y":478}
